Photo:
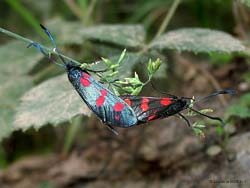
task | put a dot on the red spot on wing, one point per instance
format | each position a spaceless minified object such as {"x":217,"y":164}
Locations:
{"x":144,"y":104}
{"x":128,"y":101}
{"x":118,"y":107}
{"x":145,"y":100}
{"x":84,"y":82}
{"x":166,"y":101}
{"x":85,"y":75}
{"x":117,"y":117}
{"x":100,"y":100}
{"x":151,"y":117}
{"x":144,"y":107}
{"x":104,"y":92}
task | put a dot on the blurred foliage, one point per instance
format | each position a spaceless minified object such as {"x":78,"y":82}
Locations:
{"x":90,"y":29}
{"x":246,"y":2}
{"x":220,"y":59}
{"x":198,"y":40}
{"x":43,"y":104}
{"x":241,"y":109}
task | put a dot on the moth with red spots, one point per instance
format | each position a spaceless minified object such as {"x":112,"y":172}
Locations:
{"x":124,"y":111}
{"x":152,"y":108}
{"x":112,"y":110}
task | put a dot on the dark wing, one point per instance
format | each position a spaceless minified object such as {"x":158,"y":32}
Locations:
{"x":111,"y":109}
{"x":152,"y":108}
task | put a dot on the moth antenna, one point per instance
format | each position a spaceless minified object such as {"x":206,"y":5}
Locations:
{"x":185,"y":119}
{"x":53,"y":43}
{"x":49,"y":35}
{"x":227,"y":91}
{"x":38,"y":46}
{"x":210,"y":117}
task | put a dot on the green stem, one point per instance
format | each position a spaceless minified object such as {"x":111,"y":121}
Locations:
{"x":51,"y":51}
{"x":168,"y":17}
{"x":149,"y":79}
{"x":87,"y":19}
{"x":9,"y":33}
{"x":71,"y":134}
{"x":17,"y":6}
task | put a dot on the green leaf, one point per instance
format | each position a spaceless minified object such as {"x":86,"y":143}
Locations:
{"x":220,"y":59}
{"x":137,"y":90}
{"x":153,"y":66}
{"x":122,"y":56}
{"x":128,"y":89}
{"x":198,"y":132}
{"x":246,"y":2}
{"x":239,"y":110}
{"x":198,"y":40}
{"x":128,"y":63}
{"x":11,"y":88}
{"x":124,"y":35}
{"x":54,"y":101}
{"x":245,"y":100}
{"x":107,"y":61}
{"x":15,"y":56}
{"x":220,"y":130}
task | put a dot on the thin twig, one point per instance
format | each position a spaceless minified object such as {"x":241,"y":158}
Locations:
{"x":241,"y":19}
{"x":168,"y":17}
{"x":75,"y":9}
{"x":87,"y":19}
{"x":163,"y":25}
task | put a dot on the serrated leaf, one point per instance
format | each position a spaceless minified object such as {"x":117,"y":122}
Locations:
{"x":125,"y":35}
{"x":15,"y":57}
{"x":11,"y":88}
{"x":54,"y":101}
{"x":198,"y":40}
{"x":246,"y":2}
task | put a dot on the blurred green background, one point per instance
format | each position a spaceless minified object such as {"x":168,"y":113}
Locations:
{"x":204,"y":47}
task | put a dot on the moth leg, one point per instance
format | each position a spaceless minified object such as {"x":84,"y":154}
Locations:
{"x":185,"y":119}
{"x":38,"y":46}
{"x":112,"y":129}
{"x":210,"y":117}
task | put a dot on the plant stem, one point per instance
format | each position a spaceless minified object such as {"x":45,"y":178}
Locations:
{"x":87,"y":19}
{"x":71,"y":134}
{"x":19,"y":37}
{"x":25,"y":14}
{"x":75,"y":9}
{"x":14,"y":35}
{"x":168,"y":17}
